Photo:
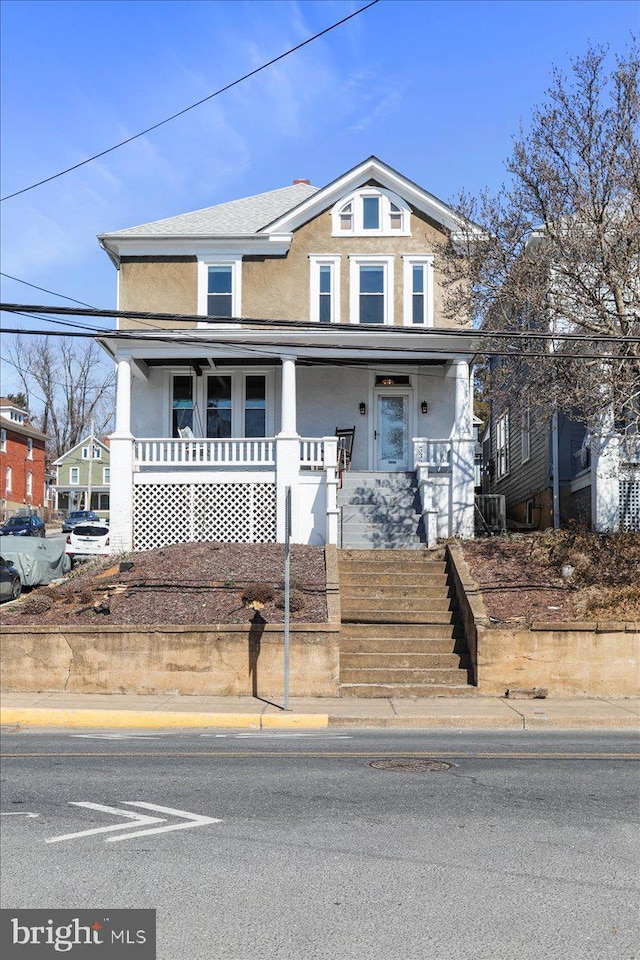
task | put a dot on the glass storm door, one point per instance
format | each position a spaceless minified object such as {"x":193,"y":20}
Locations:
{"x":392,"y":431}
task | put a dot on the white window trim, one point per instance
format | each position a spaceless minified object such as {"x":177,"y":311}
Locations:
{"x":317,"y":260}
{"x":29,"y":484}
{"x":85,"y":453}
{"x":3,"y":441}
{"x":230,"y":260}
{"x":355,"y":262}
{"x":357,"y":228}
{"x":29,"y":448}
{"x":8,"y":479}
{"x":409,"y":262}
{"x":106,"y":475}
{"x":526,"y":436}
{"x":72,"y":482}
{"x":502,"y":446}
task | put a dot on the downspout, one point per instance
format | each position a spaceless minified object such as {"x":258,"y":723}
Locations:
{"x":555,"y":460}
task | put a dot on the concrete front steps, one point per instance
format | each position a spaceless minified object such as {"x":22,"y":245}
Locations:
{"x":380,"y":510}
{"x":400,"y":636}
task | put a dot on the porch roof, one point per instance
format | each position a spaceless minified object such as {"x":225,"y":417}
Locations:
{"x":243,"y":344}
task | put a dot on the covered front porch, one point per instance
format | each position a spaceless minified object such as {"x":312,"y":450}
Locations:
{"x":186,"y":463}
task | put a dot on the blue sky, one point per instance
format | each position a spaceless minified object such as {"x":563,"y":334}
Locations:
{"x":436,"y":89}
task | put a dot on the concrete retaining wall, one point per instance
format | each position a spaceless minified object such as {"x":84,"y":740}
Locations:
{"x":568,"y":659}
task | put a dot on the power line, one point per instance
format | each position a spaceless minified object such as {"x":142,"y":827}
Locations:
{"x":44,"y":290}
{"x":198,"y":103}
{"x":350,"y":328}
{"x":268,"y":348}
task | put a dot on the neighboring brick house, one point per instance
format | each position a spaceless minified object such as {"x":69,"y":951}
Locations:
{"x":72,"y":477}
{"x":22,"y":461}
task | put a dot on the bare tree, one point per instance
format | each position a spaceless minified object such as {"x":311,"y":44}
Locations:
{"x":557,"y":251}
{"x":69,"y":380}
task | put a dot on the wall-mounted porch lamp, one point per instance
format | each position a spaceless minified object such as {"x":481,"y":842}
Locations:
{"x":362,"y":407}
{"x":424,"y":406}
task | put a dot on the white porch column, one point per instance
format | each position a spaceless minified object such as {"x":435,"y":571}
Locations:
{"x":462,"y":455}
{"x":605,"y":476}
{"x":121,"y":463}
{"x":287,"y":453}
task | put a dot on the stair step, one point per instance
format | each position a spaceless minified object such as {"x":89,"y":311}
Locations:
{"x":397,"y":631}
{"x":400,"y":561}
{"x":381,"y":591}
{"x":439,"y":676}
{"x":396,"y":616}
{"x":367,"y":690}
{"x":389,"y":605}
{"x":349,"y":580}
{"x":402,"y":646}
{"x":403,"y":661}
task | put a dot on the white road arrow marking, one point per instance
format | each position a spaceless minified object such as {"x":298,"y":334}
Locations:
{"x":139,"y":819}
{"x":18,"y":813}
{"x":192,"y":820}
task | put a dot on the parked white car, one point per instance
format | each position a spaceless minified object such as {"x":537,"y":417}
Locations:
{"x":88,"y":540}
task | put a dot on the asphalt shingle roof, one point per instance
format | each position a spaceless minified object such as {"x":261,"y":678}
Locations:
{"x":235,"y":218}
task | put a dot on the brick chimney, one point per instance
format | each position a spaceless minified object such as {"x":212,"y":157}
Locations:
{"x":308,"y":182}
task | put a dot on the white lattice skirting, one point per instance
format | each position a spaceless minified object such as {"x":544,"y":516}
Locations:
{"x":165,"y":513}
{"x":630,"y":505}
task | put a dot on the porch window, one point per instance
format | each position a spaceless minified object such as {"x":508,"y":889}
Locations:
{"x":502,"y":446}
{"x":219,"y":407}
{"x":182,"y":404}
{"x":255,"y":407}
{"x":103,"y":501}
{"x":220,"y":291}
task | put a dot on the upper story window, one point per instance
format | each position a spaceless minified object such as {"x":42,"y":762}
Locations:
{"x":418,"y":290}
{"x":106,"y":474}
{"x":8,"y":475}
{"x":74,"y":475}
{"x":502,"y":446}
{"x":97,"y":453}
{"x":3,"y":441}
{"x":371,"y":211}
{"x":324,"y":286}
{"x":371,"y":289}
{"x":29,"y":448}
{"x":29,"y":490}
{"x":219,"y":287}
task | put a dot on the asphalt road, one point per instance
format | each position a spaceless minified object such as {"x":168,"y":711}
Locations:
{"x":525,"y":847}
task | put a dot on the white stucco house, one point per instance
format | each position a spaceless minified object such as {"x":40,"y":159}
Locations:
{"x":271,"y":322}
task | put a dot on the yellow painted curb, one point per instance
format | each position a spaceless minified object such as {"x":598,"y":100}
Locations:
{"x":287,"y":721}
{"x":150,"y":719}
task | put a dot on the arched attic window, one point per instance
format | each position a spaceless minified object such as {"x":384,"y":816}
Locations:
{"x":371,"y":211}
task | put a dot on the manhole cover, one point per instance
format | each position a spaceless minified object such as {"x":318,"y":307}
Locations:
{"x":411,"y":765}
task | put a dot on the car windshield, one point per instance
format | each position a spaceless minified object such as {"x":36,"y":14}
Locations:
{"x":17,"y":522}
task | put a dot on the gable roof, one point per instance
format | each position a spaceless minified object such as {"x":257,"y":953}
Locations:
{"x":247,"y":216}
{"x":81,"y":443}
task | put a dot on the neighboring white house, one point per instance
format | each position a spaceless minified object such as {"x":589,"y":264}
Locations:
{"x":328,"y":315}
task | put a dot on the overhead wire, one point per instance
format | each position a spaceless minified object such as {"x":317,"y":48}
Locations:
{"x":216,"y":93}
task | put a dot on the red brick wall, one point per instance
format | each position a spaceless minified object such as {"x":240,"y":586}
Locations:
{"x":16,"y":458}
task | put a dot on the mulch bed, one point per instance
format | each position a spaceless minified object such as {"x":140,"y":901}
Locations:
{"x":521,"y":576}
{"x":194,"y":583}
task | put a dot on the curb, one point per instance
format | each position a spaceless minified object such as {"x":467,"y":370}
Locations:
{"x":140,"y":719}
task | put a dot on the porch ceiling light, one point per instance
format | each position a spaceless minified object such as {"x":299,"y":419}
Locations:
{"x":362,"y":407}
{"x":387,"y":382}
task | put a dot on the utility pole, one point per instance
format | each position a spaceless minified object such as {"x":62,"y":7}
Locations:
{"x":90,"y":474}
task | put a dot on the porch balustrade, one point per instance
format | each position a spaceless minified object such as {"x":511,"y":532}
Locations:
{"x":197,"y":452}
{"x":431,"y":453}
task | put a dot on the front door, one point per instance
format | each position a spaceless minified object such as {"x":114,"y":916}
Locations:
{"x":392,"y":431}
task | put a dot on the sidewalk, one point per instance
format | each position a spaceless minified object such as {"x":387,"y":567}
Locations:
{"x":101,"y":711}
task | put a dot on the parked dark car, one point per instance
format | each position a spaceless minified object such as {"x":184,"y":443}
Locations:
{"x":79,"y":516}
{"x":23,"y":527}
{"x":10,"y":583}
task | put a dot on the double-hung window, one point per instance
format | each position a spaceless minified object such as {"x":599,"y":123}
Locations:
{"x":371,"y":280}
{"x":74,"y":476}
{"x":219,"y":287}
{"x":418,"y":290}
{"x":255,"y":406}
{"x":325,"y":288}
{"x":106,"y":474}
{"x":219,"y":407}
{"x":502,"y":446}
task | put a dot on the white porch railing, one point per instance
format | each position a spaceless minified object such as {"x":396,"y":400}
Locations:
{"x":198,"y":452}
{"x":431,"y":453}
{"x":311,"y":452}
